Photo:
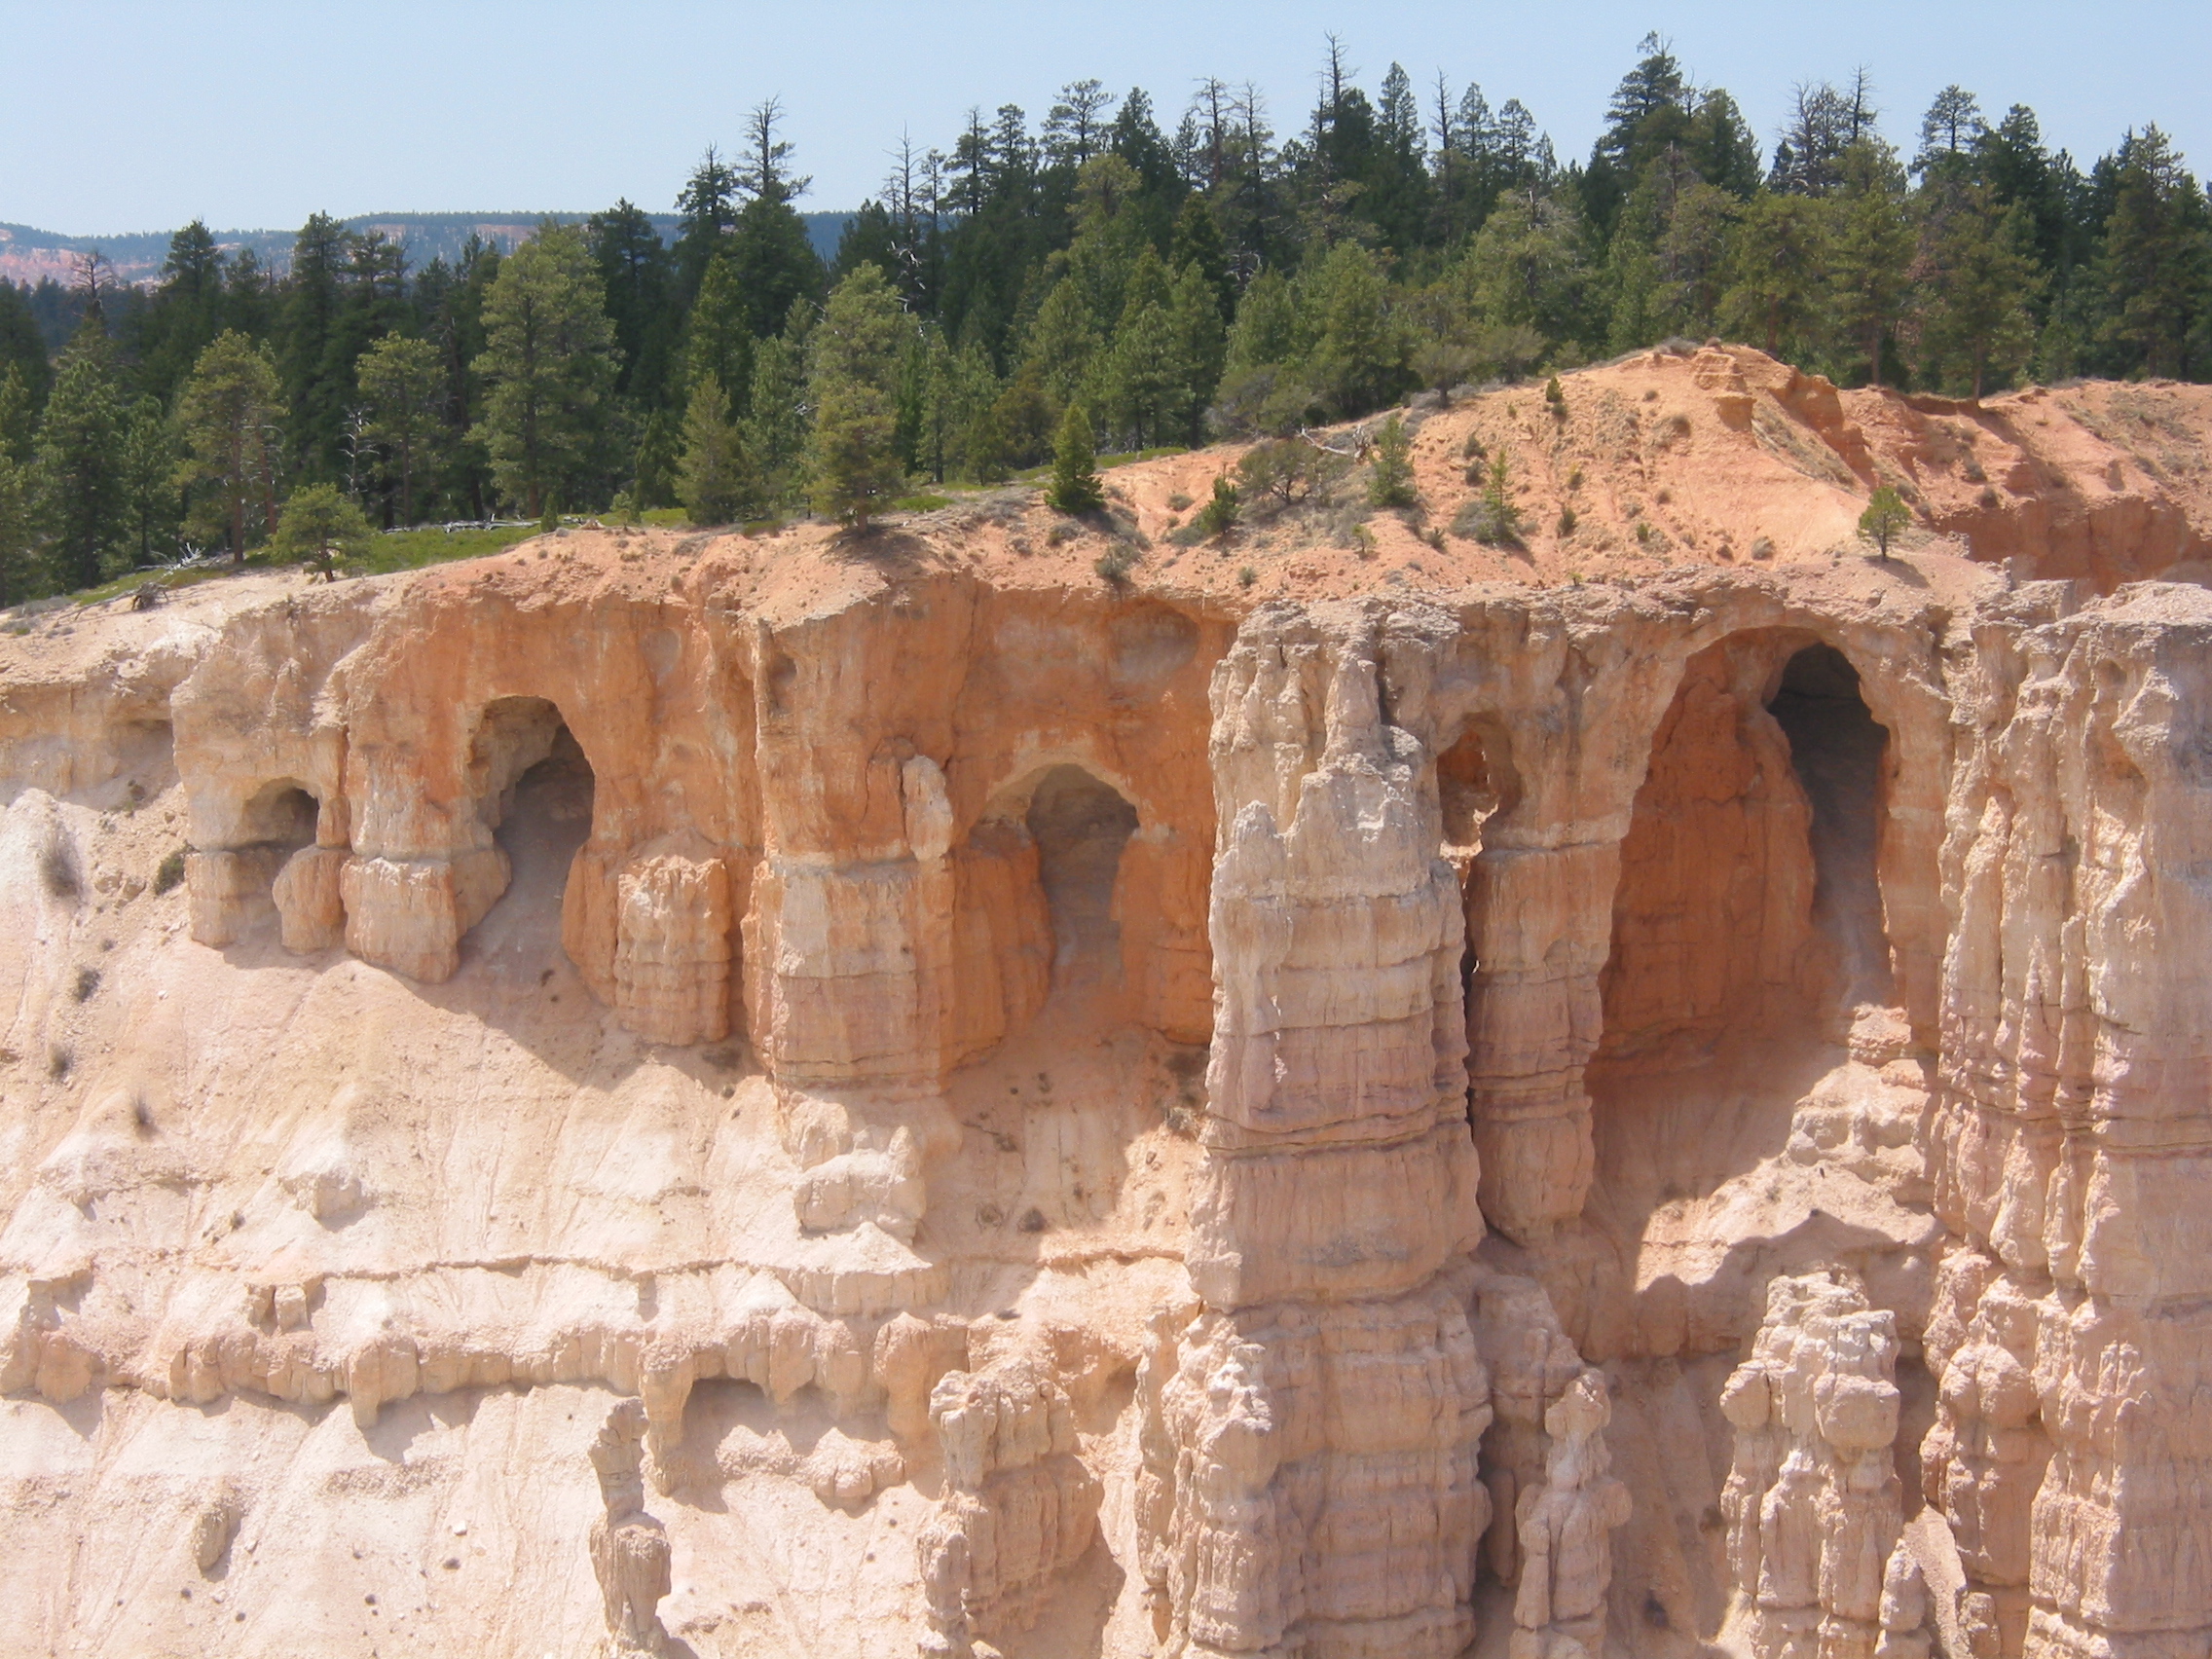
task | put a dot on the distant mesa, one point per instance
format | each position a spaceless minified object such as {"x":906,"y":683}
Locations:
{"x":28,"y":255}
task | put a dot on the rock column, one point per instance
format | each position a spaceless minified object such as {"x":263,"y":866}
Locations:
{"x":1312,"y":1481}
{"x":2073,"y":1140}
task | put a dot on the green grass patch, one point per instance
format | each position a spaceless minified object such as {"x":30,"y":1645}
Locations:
{"x":921,"y":504}
{"x":412,"y":549}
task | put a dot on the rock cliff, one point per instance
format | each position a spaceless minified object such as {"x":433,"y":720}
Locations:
{"x":806,"y":1096}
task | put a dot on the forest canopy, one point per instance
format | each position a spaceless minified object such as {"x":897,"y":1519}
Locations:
{"x":1155,"y":278}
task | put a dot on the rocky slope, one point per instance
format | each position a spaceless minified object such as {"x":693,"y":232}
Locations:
{"x":813,"y":1095}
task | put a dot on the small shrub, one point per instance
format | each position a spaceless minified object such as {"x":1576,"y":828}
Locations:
{"x":1391,"y":482}
{"x":57,"y":867}
{"x":1288,"y":471}
{"x":1492,"y":518}
{"x":169,"y":871}
{"x":1363,"y":540}
{"x":1643,"y":532}
{"x":1219,"y":516}
{"x":87,"y":982}
{"x":1574,"y":479}
{"x":1567,"y":521}
{"x":1555,"y":396}
{"x":1247,"y":576}
{"x":59,"y":1060}
{"x":1179,"y":502}
{"x":1188,"y":535}
{"x":1473,"y":449}
{"x":1114,"y":564}
{"x":1441,"y":366}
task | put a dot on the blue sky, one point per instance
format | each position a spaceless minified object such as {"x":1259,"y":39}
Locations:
{"x":133,"y":117}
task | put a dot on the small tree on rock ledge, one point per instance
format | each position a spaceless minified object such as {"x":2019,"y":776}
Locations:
{"x":1076,"y":488}
{"x":1885,"y":517}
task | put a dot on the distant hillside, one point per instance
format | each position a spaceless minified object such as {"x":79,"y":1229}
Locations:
{"x":27,"y":255}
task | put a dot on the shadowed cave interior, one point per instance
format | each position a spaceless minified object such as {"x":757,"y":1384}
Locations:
{"x":1747,"y":924}
{"x":535,"y":791}
{"x":1080,"y":826}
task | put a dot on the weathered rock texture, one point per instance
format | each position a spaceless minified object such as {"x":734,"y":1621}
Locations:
{"x":1412,"y":1108}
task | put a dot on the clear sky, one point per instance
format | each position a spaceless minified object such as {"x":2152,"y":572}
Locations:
{"x":121,"y":117}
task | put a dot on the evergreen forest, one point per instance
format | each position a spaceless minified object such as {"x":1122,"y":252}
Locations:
{"x":1138,"y":276}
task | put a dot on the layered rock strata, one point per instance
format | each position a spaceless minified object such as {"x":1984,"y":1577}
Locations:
{"x":1105,"y":1121}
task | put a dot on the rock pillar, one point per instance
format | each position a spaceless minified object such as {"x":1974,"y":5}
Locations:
{"x":1312,"y":1480}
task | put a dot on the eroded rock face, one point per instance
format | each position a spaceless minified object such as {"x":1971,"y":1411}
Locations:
{"x":1580,"y":1119}
{"x":1813,"y":1501}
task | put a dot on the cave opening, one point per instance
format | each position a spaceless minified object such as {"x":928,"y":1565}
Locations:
{"x":1837,"y":750}
{"x":1746,"y":922}
{"x":279,"y":820}
{"x":1468,"y":791}
{"x":282,"y":815}
{"x":535,"y":791}
{"x":1080,"y":826}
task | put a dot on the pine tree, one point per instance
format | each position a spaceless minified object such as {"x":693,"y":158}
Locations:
{"x":775,"y":428}
{"x":711,"y":478}
{"x":707,"y":210}
{"x":18,"y":489}
{"x":22,"y":347}
{"x":310,"y":324}
{"x":150,"y":493}
{"x":634,"y":270}
{"x":1391,"y":482}
{"x":852,"y":381}
{"x":717,"y":336}
{"x":1219,"y":516}
{"x":2157,"y":266}
{"x":81,"y":458}
{"x":1064,"y":342}
{"x":184,"y":313}
{"x":1076,"y":486}
{"x":1869,"y":254}
{"x":1886,"y":517}
{"x":19,"y":532}
{"x":1199,"y":346}
{"x":18,"y":420}
{"x":1197,"y":242}
{"x":1976,"y":279}
{"x":652,"y":466}
{"x":229,"y":416}
{"x":769,"y":248}
{"x":1526,"y":268}
{"x":320,"y":526}
{"x":1950,"y":131}
{"x":1359,"y":356}
{"x":401,"y":390}
{"x":548,"y":364}
{"x":1773,"y":272}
